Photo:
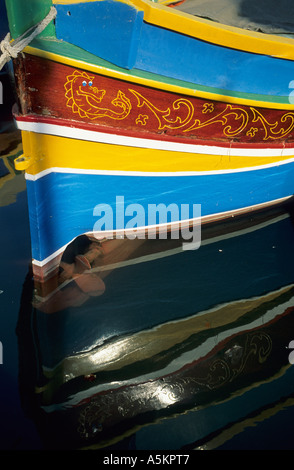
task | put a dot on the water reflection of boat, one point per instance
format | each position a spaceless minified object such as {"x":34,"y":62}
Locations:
{"x":131,"y":106}
{"x":7,"y":92}
{"x":170,"y":337}
{"x":214,"y":372}
{"x":10,"y":137}
{"x":11,"y":180}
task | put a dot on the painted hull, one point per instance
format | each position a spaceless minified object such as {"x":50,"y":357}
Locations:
{"x":139,"y":121}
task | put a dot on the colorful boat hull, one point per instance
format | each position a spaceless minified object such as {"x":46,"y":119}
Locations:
{"x":148,"y":119}
{"x":117,"y":191}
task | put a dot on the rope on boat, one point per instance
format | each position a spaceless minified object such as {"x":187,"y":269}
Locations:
{"x":11,"y":49}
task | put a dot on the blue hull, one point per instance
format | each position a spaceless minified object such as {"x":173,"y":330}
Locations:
{"x":62,"y":205}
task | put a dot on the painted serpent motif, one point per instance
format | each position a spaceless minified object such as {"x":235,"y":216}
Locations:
{"x":85,"y":99}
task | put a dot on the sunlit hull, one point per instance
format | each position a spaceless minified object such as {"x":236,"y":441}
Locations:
{"x":133,"y":108}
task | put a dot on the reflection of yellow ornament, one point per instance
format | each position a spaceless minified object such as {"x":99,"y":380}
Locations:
{"x":84,"y":98}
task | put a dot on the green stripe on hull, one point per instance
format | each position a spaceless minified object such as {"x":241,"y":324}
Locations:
{"x":68,"y":50}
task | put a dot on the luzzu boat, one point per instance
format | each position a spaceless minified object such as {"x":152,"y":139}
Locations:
{"x":130,"y":101}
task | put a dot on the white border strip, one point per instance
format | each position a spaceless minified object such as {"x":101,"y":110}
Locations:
{"x":82,"y":171}
{"x":114,"y":139}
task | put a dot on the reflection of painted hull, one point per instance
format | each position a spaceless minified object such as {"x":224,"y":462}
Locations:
{"x":174,"y":370}
{"x":133,"y":108}
{"x":234,"y":364}
{"x":11,"y":181}
{"x":173,"y":344}
{"x":170,"y":335}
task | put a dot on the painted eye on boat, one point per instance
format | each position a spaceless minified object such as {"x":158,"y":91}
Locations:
{"x":84,"y":83}
{"x":90,"y":83}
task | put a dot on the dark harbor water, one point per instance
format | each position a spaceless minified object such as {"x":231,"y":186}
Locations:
{"x":185,"y":350}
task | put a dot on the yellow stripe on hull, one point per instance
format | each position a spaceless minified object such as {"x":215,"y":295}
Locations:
{"x":49,"y":151}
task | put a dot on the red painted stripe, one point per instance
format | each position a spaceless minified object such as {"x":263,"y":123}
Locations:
{"x":130,"y":133}
{"x":92,"y":101}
